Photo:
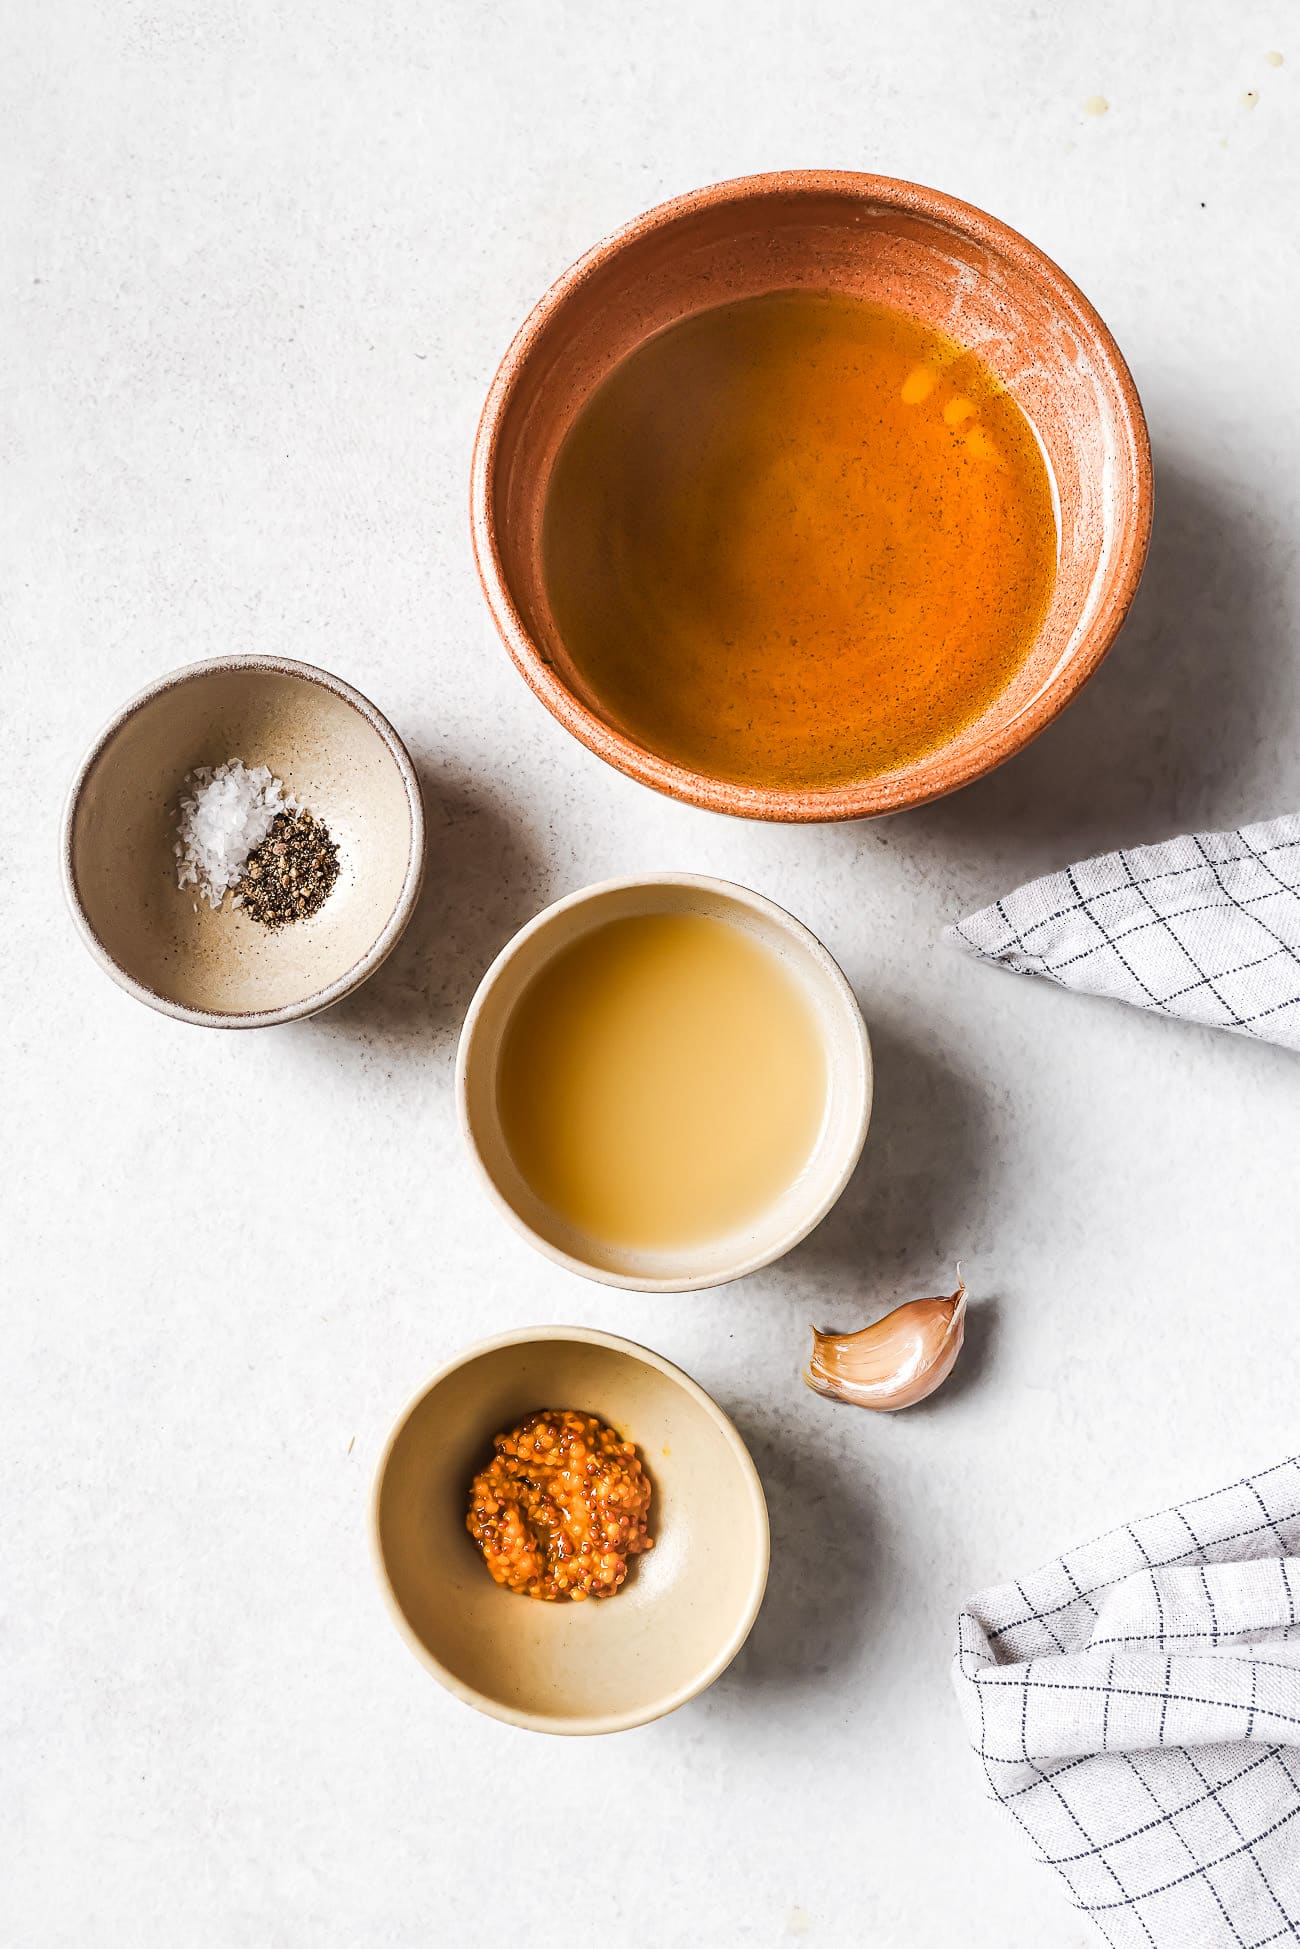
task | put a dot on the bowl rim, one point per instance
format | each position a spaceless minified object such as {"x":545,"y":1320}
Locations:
{"x":393,"y":927}
{"x":577,"y":1724}
{"x":867,"y":798}
{"x":838,"y":983}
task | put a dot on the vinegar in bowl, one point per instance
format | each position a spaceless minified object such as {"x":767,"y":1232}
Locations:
{"x":662,"y":1082}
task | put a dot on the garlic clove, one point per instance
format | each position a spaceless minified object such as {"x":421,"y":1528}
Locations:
{"x":897,"y":1361}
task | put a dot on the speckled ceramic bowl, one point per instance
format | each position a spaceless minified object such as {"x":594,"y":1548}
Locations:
{"x":894,"y":243}
{"x":601,"y":1666}
{"x":791,"y":1216}
{"x":164,"y":945}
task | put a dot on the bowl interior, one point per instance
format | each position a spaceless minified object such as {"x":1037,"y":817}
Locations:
{"x":980,"y":284}
{"x":687,"y":1604}
{"x":330,"y":756}
{"x":844,"y":1120}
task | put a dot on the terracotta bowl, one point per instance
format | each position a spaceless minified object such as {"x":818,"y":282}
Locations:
{"x":604,"y":1665}
{"x":802,"y":1205}
{"x":895,"y":243}
{"x":338,"y":756}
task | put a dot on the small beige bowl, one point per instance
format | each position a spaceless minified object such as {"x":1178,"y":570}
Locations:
{"x":335,"y":752}
{"x":804,"y":1203}
{"x":688,"y":1604}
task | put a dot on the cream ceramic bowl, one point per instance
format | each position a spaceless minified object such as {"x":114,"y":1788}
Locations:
{"x":844,"y":1126}
{"x":605,"y":1665}
{"x":335,"y":752}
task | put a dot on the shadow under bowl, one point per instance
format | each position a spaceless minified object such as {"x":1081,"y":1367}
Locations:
{"x":894,"y":243}
{"x":336,"y":754}
{"x":607,"y":1664}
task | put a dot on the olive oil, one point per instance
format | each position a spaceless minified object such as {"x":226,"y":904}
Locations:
{"x":799,"y":540}
{"x":662,"y":1081}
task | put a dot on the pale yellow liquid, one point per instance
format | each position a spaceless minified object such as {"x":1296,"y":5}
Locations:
{"x":662,"y":1081}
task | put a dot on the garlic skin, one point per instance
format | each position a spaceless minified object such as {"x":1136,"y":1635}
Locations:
{"x":896,"y":1362}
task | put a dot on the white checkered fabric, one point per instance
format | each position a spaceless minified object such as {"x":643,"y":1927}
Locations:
{"x":1136,"y":1707}
{"x":1206,"y":927}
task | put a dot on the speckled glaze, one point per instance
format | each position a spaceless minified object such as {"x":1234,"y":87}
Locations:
{"x":688,"y":1604}
{"x":897,"y":244}
{"x":336,"y":753}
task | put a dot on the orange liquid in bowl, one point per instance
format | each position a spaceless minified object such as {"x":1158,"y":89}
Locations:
{"x":798,"y":541}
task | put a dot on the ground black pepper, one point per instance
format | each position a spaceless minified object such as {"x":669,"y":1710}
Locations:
{"x":290,"y":875}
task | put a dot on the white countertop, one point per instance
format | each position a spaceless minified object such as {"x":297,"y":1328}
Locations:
{"x":263,"y":260}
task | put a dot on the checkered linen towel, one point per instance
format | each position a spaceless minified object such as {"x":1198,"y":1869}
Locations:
{"x":1136,"y":1707}
{"x":1206,"y":927}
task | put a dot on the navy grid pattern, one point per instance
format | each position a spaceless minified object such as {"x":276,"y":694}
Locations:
{"x":1205,"y":927}
{"x":1135,"y":1707}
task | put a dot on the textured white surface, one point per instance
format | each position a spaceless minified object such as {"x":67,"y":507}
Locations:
{"x":260,"y":263}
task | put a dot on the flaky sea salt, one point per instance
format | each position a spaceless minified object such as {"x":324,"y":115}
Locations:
{"x":225,"y":811}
